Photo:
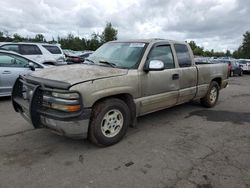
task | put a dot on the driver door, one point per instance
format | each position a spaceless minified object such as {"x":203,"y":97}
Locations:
{"x":160,"y":88}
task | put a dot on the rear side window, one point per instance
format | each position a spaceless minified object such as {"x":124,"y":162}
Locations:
{"x":11,"y":47}
{"x":52,"y":49}
{"x":164,"y":54}
{"x":183,"y":55}
{"x":27,"y":49}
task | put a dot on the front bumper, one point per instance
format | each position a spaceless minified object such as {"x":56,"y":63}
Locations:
{"x":72,"y":129}
{"x":28,"y":102}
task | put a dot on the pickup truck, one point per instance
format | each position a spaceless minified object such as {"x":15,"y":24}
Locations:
{"x":120,"y":81}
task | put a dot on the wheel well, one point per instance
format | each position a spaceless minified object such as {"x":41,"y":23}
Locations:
{"x":218,"y":80}
{"x":125,"y":97}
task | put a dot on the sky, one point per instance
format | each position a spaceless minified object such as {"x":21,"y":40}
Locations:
{"x":213,"y":24}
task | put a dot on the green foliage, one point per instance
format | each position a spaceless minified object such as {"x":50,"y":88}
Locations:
{"x":228,"y":53}
{"x":199,"y":51}
{"x":70,"y":41}
{"x":39,"y":38}
{"x":244,"y":50}
{"x":17,"y":38}
{"x":246,"y":45}
{"x":109,"y":33}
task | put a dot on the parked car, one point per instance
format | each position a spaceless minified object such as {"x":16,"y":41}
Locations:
{"x":202,"y":60}
{"x":245,"y":65}
{"x":120,"y":81}
{"x":11,"y":66}
{"x":76,"y":56}
{"x":234,"y":68}
{"x":49,"y":54}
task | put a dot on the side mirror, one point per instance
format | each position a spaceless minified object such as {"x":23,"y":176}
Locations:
{"x":32,"y":66}
{"x":154,"y":65}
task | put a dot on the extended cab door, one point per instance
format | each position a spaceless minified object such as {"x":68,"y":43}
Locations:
{"x":160,"y":88}
{"x":188,"y":73}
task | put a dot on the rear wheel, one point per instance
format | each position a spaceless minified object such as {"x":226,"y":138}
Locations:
{"x":109,"y":122}
{"x":241,"y":73}
{"x":212,"y":95}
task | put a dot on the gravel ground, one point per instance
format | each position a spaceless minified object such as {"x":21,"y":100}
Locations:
{"x":184,"y":146}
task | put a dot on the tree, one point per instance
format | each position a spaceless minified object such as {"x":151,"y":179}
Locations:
{"x":197,"y":50}
{"x":228,"y":53}
{"x":1,"y":37}
{"x":17,"y":38}
{"x":94,"y":42}
{"x":238,"y":53}
{"x":244,"y":50}
{"x":39,"y":38}
{"x":246,"y":45}
{"x":109,"y":33}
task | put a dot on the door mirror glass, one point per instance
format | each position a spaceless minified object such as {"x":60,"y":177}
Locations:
{"x":32,"y":66}
{"x":155,"y":65}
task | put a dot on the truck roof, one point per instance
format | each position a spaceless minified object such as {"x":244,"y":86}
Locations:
{"x":150,"y":40}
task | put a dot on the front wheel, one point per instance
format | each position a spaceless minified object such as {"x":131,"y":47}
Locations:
{"x":212,"y":95}
{"x":109,"y":122}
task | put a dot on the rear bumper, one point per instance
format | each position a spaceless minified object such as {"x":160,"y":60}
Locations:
{"x":73,"y":125}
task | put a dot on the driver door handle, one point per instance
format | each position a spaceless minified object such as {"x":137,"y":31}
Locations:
{"x":175,"y":76}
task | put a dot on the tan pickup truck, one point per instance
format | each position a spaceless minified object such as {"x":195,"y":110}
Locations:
{"x":120,"y":81}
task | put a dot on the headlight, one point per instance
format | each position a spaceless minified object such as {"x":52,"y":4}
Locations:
{"x":66,"y":108}
{"x":67,"y":102}
{"x":66,"y":95}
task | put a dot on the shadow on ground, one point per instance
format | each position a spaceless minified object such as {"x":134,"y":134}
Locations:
{"x":222,"y":116}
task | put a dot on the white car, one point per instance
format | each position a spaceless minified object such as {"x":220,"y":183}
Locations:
{"x":49,"y":54}
{"x":245,"y":64}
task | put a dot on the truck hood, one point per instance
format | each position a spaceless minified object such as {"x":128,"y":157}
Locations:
{"x":74,"y":74}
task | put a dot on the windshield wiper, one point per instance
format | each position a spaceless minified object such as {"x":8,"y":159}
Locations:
{"x":108,"y":63}
{"x":89,"y":60}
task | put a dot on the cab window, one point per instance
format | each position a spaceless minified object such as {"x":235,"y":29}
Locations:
{"x":164,"y":54}
{"x":183,"y":55}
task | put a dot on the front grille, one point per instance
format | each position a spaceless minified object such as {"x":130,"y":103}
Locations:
{"x":33,"y":97}
{"x":27,"y":99}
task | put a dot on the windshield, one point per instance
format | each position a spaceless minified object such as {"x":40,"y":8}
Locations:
{"x":244,"y":62}
{"x":119,"y":54}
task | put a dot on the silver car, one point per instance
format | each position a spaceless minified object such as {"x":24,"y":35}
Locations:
{"x":11,"y":66}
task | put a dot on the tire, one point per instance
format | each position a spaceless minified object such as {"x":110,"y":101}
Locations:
{"x":109,"y":122}
{"x":241,"y":73}
{"x":212,"y":95}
